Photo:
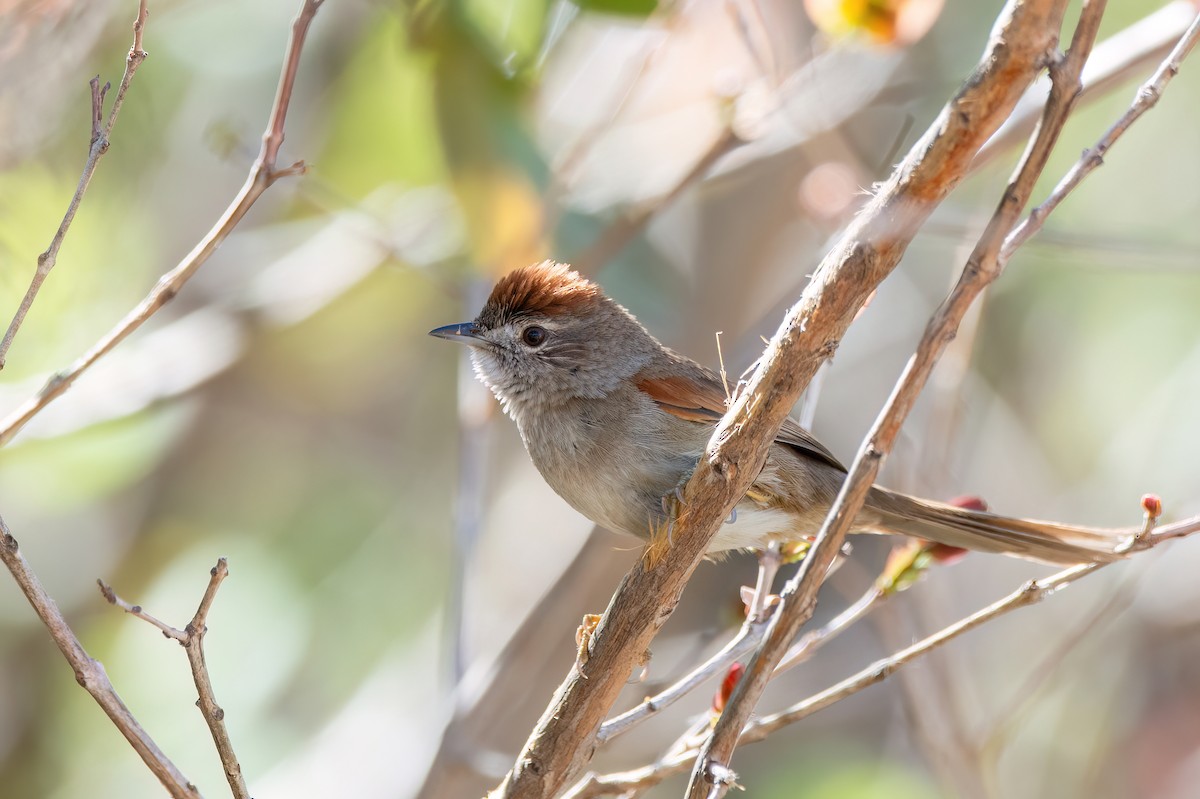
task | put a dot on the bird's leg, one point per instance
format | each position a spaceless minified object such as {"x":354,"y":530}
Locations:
{"x":768,"y":566}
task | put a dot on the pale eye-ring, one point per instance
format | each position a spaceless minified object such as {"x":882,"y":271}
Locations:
{"x":534,"y":336}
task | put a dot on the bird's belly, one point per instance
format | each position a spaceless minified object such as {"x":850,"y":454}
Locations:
{"x":753,"y":526}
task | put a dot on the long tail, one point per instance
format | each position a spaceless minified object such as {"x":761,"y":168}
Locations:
{"x":1049,"y":542}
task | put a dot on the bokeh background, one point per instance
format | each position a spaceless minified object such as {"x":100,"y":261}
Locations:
{"x":385,"y":531}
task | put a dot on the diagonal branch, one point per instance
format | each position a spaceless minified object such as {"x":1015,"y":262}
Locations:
{"x":96,"y":150}
{"x":90,"y":673}
{"x":1033,"y":592}
{"x":711,"y":775}
{"x":263,"y":173}
{"x":1147,"y":97}
{"x":563,"y":740}
{"x":1114,"y":60}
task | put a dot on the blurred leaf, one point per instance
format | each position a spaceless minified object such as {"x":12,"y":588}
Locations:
{"x":94,"y":463}
{"x":511,"y":30}
{"x":102,"y":267}
{"x":634,"y":8}
{"x":504,"y":214}
{"x":383,"y":125}
{"x":906,"y":564}
{"x":496,"y":169}
{"x":841,"y":778}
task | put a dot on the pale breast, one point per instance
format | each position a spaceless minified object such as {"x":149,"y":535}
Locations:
{"x":611,"y":465}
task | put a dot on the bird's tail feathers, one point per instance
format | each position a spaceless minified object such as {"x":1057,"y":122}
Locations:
{"x":1050,"y":542}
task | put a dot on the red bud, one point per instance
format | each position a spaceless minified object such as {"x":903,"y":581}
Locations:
{"x":727,"y":685}
{"x":969,"y":502}
{"x":1152,"y":504}
{"x":944,"y":553}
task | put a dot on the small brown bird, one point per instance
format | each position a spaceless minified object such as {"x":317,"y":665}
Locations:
{"x":615,"y":422}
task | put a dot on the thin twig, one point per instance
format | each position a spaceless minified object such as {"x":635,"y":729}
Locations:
{"x":1030,"y":691}
{"x":748,"y":637}
{"x":1031,"y":593}
{"x":263,"y":173}
{"x":1114,"y":60}
{"x":97,"y":147}
{"x":810,"y":642}
{"x":90,"y":673}
{"x":1146,"y":98}
{"x":712,"y":769}
{"x":191,"y":638}
{"x":167,"y":630}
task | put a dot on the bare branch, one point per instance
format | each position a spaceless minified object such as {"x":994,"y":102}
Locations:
{"x":1031,"y":593}
{"x":711,"y":773}
{"x":90,"y":673}
{"x":262,"y":175}
{"x":561,"y":744}
{"x":191,"y":638}
{"x":96,"y":150}
{"x":136,"y":610}
{"x":1114,"y":60}
{"x":1146,"y":98}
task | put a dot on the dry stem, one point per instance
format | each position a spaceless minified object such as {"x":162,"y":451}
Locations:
{"x":97,"y":148}
{"x":263,"y":173}
{"x":90,"y":673}
{"x":1113,"y":61}
{"x":1031,"y":593}
{"x":1146,"y":98}
{"x":191,"y":638}
{"x":712,"y":775}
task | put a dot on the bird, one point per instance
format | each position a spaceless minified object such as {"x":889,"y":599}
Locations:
{"x":616,"y":422}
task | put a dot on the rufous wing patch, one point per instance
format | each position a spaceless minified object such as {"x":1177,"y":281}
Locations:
{"x":699,"y":400}
{"x":685,"y":397}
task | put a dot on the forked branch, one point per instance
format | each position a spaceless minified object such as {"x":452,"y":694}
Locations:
{"x":90,"y":673}
{"x":561,"y":744}
{"x":712,"y":774}
{"x":191,"y":638}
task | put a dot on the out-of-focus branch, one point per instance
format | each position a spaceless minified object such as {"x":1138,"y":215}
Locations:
{"x":747,"y":639}
{"x":622,"y":230}
{"x":712,"y":775}
{"x":1033,"y":592}
{"x":191,"y":638}
{"x":990,"y":746}
{"x":96,"y":150}
{"x":263,"y":174}
{"x":1029,"y":594}
{"x":563,"y":740}
{"x":90,"y":673}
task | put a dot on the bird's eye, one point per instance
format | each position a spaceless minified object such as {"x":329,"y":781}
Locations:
{"x":534,"y":336}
